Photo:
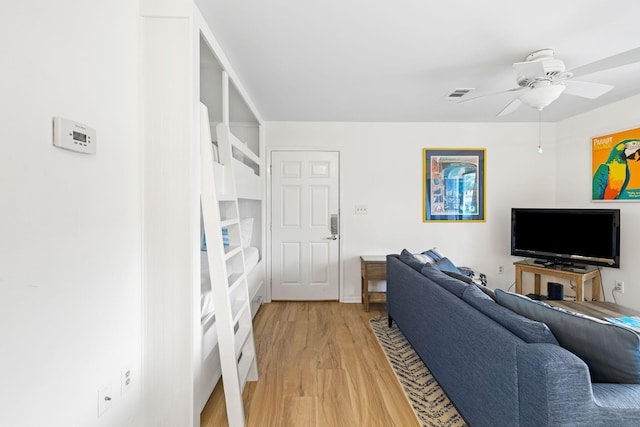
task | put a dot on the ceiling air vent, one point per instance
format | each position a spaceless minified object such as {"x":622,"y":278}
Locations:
{"x":459,"y":93}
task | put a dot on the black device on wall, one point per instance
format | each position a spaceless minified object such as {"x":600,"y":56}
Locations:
{"x":567,"y":236}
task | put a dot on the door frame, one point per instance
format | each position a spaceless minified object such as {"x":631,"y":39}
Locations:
{"x":269,"y":219}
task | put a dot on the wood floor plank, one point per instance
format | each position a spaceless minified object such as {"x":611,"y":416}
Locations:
{"x":300,"y":411}
{"x":319,"y":365}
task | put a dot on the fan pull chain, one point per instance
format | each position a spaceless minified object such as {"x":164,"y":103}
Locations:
{"x":540,"y":131}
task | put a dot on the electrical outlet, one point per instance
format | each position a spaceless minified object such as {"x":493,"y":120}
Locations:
{"x":500,"y":269}
{"x":105,"y":397}
{"x":618,"y":286}
{"x":125,"y":380}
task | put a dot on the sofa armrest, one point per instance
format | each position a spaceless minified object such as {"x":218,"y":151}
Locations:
{"x":554,"y":386}
{"x":555,"y":389}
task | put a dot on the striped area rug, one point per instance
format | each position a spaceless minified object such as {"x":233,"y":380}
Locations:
{"x":429,"y":402}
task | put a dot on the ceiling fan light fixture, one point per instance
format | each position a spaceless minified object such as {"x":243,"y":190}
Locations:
{"x":541,"y":96}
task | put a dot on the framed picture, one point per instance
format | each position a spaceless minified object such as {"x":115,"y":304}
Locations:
{"x":454,"y":184}
{"x":615,"y":166}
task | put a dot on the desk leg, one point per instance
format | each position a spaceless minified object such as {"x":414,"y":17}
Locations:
{"x":579,"y":289}
{"x":518,"y":280}
{"x":536,"y":284}
{"x":595,"y":288}
{"x":365,"y":291}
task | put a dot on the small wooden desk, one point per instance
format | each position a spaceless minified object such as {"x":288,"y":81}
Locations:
{"x":590,"y":273}
{"x":374,"y":267}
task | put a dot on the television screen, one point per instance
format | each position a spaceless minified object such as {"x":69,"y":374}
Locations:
{"x":573,"y":236}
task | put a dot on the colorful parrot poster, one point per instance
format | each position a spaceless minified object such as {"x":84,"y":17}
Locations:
{"x":453,"y":184}
{"x":616,"y":166}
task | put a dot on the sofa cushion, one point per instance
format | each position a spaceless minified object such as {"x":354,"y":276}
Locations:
{"x":611,"y":352}
{"x":487,"y":291}
{"x":462,"y":277}
{"x":524,"y":328}
{"x":454,"y":286}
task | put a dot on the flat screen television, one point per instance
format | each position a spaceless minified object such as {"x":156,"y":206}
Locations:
{"x":575,"y":237}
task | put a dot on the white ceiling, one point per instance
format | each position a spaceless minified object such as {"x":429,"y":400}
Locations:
{"x":397,"y":60}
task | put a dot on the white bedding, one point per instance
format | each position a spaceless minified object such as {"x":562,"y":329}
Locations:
{"x":251,"y":258}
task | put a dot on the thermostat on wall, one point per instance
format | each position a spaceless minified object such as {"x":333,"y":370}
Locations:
{"x":73,"y":136}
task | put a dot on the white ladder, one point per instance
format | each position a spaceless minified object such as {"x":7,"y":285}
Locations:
{"x":227,"y":275}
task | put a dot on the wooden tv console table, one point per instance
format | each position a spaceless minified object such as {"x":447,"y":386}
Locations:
{"x":589,"y":273}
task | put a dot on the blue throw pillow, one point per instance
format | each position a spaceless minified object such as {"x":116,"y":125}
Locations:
{"x":408,"y":258}
{"x":432,"y":255}
{"x":445,"y":264}
{"x":611,"y":352}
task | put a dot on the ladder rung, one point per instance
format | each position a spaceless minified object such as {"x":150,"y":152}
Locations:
{"x":241,"y":307}
{"x":241,"y":339}
{"x":234,"y":280}
{"x":231,"y":251}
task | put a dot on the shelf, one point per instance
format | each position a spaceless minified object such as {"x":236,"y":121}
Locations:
{"x":377,"y":297}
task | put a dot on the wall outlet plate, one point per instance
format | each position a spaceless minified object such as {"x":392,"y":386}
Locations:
{"x":105,"y":397}
{"x":361,"y":209}
{"x":125,"y":380}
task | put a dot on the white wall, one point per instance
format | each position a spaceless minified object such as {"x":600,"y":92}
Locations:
{"x":171,"y":214}
{"x":70,"y":229}
{"x":381,"y":167}
{"x":574,"y":186}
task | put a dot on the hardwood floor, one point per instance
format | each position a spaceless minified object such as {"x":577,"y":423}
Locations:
{"x":319,"y":365}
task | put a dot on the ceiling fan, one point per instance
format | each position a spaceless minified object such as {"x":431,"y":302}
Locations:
{"x":542,"y":78}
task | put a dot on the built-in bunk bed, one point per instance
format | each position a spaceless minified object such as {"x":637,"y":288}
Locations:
{"x":249,"y":185}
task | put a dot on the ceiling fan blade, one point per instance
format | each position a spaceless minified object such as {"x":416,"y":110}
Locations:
{"x":510,"y":108}
{"x":624,"y":58}
{"x":515,"y":89}
{"x":530,"y":69}
{"x":586,"y":89}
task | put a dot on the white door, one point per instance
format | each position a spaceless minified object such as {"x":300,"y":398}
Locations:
{"x":305,"y":238}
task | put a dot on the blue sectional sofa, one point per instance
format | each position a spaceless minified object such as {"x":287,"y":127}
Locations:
{"x":498,"y":367}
